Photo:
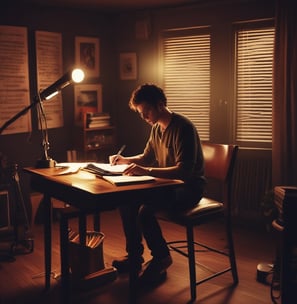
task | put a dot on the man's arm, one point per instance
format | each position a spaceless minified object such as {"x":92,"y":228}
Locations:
{"x":167,"y":172}
{"x":137,"y":159}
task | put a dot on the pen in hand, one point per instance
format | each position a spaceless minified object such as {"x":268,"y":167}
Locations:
{"x":118,"y":154}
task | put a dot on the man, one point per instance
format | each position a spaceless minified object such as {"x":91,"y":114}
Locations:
{"x":173,"y":150}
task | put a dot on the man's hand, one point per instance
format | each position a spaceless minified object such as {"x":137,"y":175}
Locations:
{"x":117,"y":159}
{"x":134,"y":169}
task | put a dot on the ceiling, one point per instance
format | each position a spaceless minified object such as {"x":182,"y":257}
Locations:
{"x":111,"y":5}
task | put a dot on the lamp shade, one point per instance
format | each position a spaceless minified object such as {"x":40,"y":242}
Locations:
{"x":75,"y":75}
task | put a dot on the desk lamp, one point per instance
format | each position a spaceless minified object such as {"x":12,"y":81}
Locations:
{"x":76,"y":75}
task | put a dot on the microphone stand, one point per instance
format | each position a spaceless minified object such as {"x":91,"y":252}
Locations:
{"x":45,"y":161}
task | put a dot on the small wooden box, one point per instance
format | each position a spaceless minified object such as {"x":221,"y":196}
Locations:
{"x":85,"y":259}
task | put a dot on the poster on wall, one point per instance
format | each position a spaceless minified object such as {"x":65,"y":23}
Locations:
{"x":49,"y":69}
{"x":128,"y":66}
{"x":87,"y":55}
{"x":88,"y":98}
{"x":14,"y":79}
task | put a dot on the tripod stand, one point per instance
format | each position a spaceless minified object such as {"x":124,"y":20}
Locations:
{"x":19,"y":242}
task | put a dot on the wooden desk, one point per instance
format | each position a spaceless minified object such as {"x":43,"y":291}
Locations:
{"x":90,"y":195}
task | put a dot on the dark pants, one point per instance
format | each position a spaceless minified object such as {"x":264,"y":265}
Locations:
{"x":140,"y":219}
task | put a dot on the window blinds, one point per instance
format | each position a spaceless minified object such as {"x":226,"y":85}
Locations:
{"x":186,"y":76}
{"x":254,"y":64}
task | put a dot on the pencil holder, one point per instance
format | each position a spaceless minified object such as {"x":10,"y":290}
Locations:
{"x":88,"y":258}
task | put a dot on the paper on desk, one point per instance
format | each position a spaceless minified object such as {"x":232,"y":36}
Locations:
{"x":128,"y":179}
{"x":68,"y":168}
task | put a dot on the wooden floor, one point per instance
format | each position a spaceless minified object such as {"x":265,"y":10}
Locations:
{"x":22,"y":280}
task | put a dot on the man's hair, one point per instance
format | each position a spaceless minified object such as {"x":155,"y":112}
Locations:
{"x":149,"y":94}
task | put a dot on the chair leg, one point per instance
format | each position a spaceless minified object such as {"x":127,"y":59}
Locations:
{"x":191,"y":260}
{"x":232,"y":252}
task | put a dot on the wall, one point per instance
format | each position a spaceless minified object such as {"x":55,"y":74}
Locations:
{"x":117,"y":34}
{"x":215,"y":13}
{"x":24,"y":148}
{"x":253,"y":176}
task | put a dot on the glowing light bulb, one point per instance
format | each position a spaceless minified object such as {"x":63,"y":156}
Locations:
{"x":78,"y":75}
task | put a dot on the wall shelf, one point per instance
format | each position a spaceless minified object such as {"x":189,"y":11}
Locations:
{"x":100,"y":140}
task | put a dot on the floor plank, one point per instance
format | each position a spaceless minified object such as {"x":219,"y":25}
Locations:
{"x":22,"y":280}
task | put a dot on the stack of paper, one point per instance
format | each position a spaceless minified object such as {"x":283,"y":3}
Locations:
{"x":128,"y":179}
{"x":96,"y":168}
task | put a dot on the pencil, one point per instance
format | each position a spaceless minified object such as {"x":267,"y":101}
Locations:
{"x":118,"y":154}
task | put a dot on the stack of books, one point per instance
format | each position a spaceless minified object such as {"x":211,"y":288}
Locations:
{"x":97,"y":120}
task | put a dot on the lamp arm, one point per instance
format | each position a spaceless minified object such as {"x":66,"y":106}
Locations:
{"x":56,"y":87}
{"x":76,"y":75}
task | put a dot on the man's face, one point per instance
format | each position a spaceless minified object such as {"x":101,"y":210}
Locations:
{"x":148,"y":113}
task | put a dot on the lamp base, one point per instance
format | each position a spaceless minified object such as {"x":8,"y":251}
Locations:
{"x":45,"y":163}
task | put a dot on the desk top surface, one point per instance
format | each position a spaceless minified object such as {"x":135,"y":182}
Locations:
{"x":94,"y":185}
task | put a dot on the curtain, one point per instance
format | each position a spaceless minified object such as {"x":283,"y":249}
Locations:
{"x":284,"y":144}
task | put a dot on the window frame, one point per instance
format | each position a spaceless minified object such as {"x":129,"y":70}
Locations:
{"x":247,"y":25}
{"x":222,"y":102}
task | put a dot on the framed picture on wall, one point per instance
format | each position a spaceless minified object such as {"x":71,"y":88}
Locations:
{"x":88,"y":98}
{"x":128,"y":66}
{"x":87,"y":55}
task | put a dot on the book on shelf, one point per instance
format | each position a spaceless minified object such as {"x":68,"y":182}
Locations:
{"x":97,"y":119}
{"x":97,"y":114}
{"x":98,"y":124}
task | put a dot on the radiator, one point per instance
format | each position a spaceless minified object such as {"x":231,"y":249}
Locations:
{"x":251,"y":181}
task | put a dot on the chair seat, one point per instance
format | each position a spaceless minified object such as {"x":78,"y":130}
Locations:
{"x":205,"y":209}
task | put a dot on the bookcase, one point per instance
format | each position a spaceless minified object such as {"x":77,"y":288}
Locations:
{"x":285,"y":199}
{"x":95,"y":143}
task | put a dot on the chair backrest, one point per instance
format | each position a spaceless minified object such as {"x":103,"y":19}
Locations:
{"x":219,"y":163}
{"x":219,"y":160}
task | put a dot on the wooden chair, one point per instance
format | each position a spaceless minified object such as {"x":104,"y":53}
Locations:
{"x":219,"y":166}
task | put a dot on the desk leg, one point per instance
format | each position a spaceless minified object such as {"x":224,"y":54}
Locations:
{"x":82,"y":223}
{"x":47,"y":205}
{"x":64,"y":252}
{"x":133,"y":276}
{"x":96,"y":218}
{"x":133,"y":273}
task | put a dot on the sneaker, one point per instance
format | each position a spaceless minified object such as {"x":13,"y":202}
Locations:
{"x":122,"y":264}
{"x":155,"y":273}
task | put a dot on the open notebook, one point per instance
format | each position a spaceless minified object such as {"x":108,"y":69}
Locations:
{"x":105,"y":169}
{"x":111,"y":173}
{"x":99,"y":169}
{"x":114,"y":174}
